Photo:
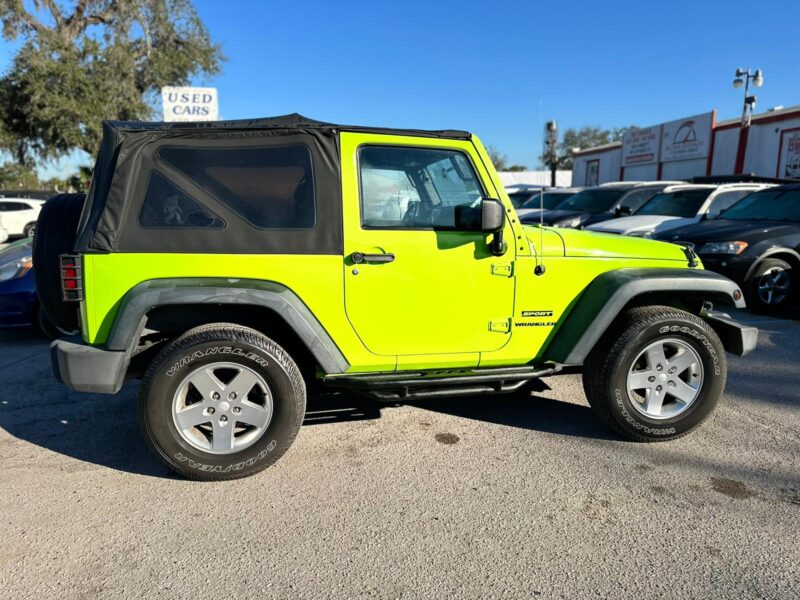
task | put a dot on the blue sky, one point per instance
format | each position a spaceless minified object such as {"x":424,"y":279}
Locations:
{"x":498,"y":69}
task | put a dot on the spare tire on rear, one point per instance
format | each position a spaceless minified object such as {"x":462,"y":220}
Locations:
{"x":56,"y":230}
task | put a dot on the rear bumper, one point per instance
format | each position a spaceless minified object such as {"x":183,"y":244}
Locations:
{"x":736,"y":338}
{"x":85,"y":368}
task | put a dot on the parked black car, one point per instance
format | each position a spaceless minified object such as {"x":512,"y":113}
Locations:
{"x":596,"y":204}
{"x":756,"y":242}
{"x":548,"y":198}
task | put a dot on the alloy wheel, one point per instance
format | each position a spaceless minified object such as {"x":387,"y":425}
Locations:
{"x":665,"y":379}
{"x":774,"y":286}
{"x":222,"y":408}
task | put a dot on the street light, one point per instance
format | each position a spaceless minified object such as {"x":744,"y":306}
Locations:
{"x":743,"y":78}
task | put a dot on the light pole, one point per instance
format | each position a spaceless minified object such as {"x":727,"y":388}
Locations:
{"x":749,"y":101}
{"x":743,"y":78}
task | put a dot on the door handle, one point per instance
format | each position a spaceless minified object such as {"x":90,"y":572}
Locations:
{"x":360,"y":257}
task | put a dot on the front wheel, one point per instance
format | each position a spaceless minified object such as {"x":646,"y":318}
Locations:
{"x":656,"y":374}
{"x":771,"y":286}
{"x":221,"y":402}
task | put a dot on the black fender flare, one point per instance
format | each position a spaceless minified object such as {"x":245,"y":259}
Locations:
{"x":607,"y":295}
{"x":131,"y":317}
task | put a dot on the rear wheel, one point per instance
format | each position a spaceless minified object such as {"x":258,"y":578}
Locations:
{"x":771,"y":286}
{"x":221,"y":402}
{"x":29,"y":230}
{"x":656,"y":374}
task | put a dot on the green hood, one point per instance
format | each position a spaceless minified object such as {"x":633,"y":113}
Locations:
{"x":603,"y":245}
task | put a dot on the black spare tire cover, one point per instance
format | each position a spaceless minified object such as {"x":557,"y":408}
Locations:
{"x":56,"y":230}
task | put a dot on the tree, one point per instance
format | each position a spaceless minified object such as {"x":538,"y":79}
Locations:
{"x":103,"y":59}
{"x":517,"y":168}
{"x":583,"y":138}
{"x":498,"y":158}
{"x":77,"y":182}
{"x":14,"y":176}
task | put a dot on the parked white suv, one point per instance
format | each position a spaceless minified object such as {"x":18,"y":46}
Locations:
{"x":677,"y":206}
{"x":3,"y":232}
{"x":18,"y":215}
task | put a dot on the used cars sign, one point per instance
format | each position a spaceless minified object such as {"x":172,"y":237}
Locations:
{"x":190,"y":104}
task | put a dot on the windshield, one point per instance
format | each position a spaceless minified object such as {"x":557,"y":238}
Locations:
{"x":518,"y":199}
{"x":592,"y":201}
{"x":636,"y":198}
{"x":550,"y":200}
{"x":681,"y":203}
{"x":767,"y":205}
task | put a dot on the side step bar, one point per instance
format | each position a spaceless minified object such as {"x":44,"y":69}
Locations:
{"x":442,"y":383}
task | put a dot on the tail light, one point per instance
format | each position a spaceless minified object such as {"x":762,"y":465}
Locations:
{"x":71,"y":278}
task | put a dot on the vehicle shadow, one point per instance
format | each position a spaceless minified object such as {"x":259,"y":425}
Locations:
{"x":525,"y":410}
{"x":97,"y":430}
{"x":103,"y":430}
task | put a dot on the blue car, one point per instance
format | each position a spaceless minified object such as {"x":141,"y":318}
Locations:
{"x":19,"y":305}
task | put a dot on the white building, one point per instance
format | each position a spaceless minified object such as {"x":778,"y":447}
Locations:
{"x":697,"y":146}
{"x":563,"y":178}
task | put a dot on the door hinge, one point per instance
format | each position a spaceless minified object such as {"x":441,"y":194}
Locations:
{"x":503,"y":270}
{"x":500,"y":326}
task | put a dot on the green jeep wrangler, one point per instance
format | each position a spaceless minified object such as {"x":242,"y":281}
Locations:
{"x":235,"y":265}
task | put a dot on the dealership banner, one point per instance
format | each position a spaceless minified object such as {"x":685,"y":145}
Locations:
{"x":789,"y":154}
{"x":687,"y":139}
{"x":190,"y":104}
{"x":641,"y":146}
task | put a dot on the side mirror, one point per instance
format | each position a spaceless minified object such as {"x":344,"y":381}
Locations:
{"x":622,"y":210}
{"x":493,"y":215}
{"x":493,"y":219}
{"x":489,"y":217}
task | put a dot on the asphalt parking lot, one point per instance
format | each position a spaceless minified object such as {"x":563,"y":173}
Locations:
{"x":490,"y":497}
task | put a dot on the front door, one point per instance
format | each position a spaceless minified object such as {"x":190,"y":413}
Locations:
{"x":415,"y":284}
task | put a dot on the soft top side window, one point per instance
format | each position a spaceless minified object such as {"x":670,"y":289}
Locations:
{"x":270,"y":187}
{"x":167,"y":206}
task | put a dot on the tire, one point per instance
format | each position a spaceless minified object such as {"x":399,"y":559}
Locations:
{"x":623,"y":351}
{"x":54,"y":235}
{"x":771,"y":286}
{"x":29,"y":230}
{"x":47,"y":328}
{"x":202,"y":452}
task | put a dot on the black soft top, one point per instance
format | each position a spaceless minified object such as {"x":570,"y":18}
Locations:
{"x":129,"y":155}
{"x":291,"y":121}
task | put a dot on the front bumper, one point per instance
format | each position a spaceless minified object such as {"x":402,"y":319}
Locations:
{"x":85,"y":368}
{"x":736,"y":338}
{"x":732,"y":267}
